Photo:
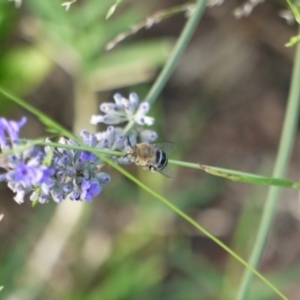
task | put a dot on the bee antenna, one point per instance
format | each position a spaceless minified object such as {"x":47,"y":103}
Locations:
{"x":128,"y":154}
{"x":129,"y":142}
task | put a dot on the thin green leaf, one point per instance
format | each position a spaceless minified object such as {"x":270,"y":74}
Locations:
{"x":48,"y":158}
{"x":295,"y":7}
{"x":68,"y":4}
{"x":250,"y":178}
{"x":294,"y":40}
{"x":35,"y":200}
{"x":240,"y":176}
{"x":112,"y":9}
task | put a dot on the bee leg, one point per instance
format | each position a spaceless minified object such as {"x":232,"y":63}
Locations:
{"x":152,"y":169}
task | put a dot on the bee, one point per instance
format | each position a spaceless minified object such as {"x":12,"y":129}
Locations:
{"x":152,"y":157}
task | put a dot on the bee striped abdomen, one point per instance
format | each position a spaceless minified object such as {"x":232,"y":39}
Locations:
{"x":161,"y":159}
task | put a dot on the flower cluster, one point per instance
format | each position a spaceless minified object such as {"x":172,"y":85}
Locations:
{"x":129,"y":110}
{"x":24,"y":170}
{"x":124,"y":110}
{"x":59,"y":173}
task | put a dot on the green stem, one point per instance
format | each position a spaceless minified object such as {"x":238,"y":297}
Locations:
{"x":177,"y":52}
{"x":285,"y":147}
{"x":174,"y":57}
{"x":193,"y":223}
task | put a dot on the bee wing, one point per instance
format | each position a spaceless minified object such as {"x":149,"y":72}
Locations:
{"x":165,"y":146}
{"x":167,"y":171}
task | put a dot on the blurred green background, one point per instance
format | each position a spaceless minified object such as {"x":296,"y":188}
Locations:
{"x":223,"y":106}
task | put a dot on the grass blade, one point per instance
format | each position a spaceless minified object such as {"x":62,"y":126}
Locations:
{"x":285,"y":147}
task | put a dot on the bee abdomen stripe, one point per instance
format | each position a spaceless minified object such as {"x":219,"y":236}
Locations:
{"x":161,"y":159}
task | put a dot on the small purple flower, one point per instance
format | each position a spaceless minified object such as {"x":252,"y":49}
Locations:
{"x":90,"y":189}
{"x":87,"y":156}
{"x":23,"y":177}
{"x":26,"y":175}
{"x":24,"y":172}
{"x":88,"y":138}
{"x":148,"y":136}
{"x":140,"y":116}
{"x":9,"y":132}
{"x":124,"y":110}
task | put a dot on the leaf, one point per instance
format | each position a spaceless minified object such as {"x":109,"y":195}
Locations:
{"x":294,"y":40}
{"x":250,"y":178}
{"x":48,"y":159}
{"x":295,"y":7}
{"x":112,"y":9}
{"x":35,"y":201}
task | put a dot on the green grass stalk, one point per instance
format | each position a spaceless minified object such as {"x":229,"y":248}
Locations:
{"x":179,"y":212}
{"x":174,"y":57}
{"x":285,"y":148}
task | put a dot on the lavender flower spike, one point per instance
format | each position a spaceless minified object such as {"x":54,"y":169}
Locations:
{"x":69,"y":173}
{"x":124,"y":110}
{"x":24,"y":171}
